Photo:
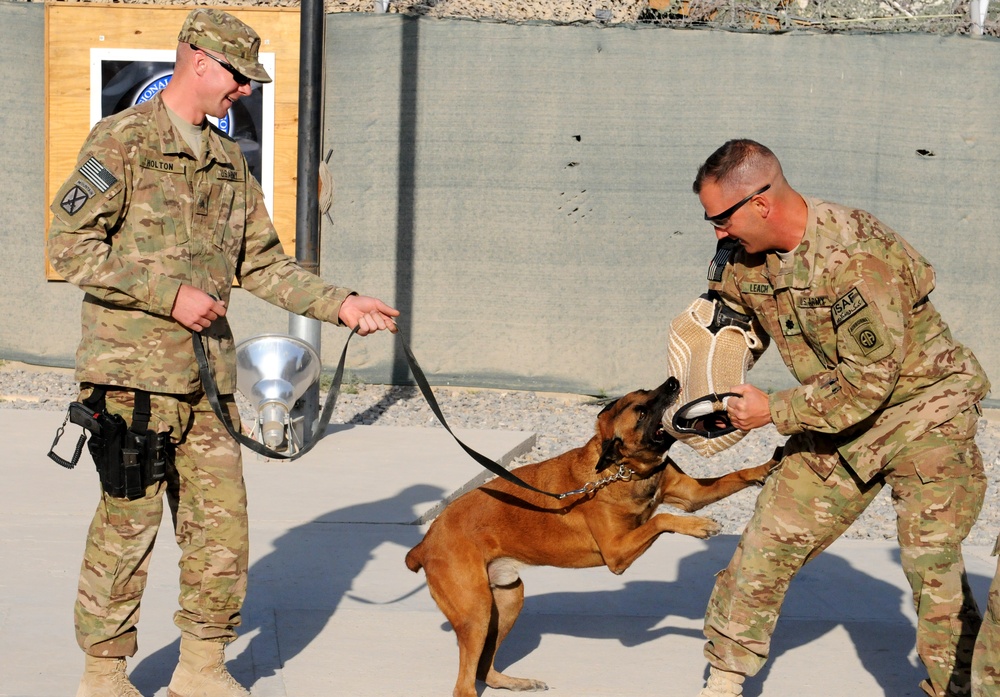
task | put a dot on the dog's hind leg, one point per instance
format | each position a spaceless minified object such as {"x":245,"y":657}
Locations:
{"x":508,"y":599}
{"x":460,"y":587}
{"x":507,"y":603}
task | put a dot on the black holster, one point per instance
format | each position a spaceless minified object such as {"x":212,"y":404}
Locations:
{"x":128,"y":458}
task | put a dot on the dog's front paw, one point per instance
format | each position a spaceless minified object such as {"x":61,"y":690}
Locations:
{"x":707,"y":528}
{"x":758,"y":475}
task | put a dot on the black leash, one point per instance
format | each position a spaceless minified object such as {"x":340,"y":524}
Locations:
{"x":212,"y":392}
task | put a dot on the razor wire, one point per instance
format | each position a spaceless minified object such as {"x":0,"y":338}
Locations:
{"x":942,"y":17}
{"x":762,"y":16}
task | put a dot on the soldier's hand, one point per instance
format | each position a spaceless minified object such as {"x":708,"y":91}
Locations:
{"x":367,"y":314}
{"x":750,"y":410}
{"x":196,"y":309}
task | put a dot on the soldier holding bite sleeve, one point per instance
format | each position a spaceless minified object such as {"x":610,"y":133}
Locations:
{"x":887,"y":398}
{"x":157,"y":220}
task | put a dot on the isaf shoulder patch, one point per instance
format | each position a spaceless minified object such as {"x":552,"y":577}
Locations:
{"x":848,"y":305}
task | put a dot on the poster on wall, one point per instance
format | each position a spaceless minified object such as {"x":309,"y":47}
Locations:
{"x":122,"y":77}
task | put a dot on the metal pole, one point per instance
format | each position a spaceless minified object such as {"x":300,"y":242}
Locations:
{"x":312,"y":35}
{"x":977,"y":13}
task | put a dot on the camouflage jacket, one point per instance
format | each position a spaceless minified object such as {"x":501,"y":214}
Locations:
{"x":851,"y":316}
{"x":142,"y":214}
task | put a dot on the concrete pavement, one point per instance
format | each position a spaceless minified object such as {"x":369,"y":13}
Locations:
{"x":332,"y":610}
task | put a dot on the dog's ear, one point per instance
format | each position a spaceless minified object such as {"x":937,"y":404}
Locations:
{"x":609,"y":406}
{"x":610,"y":454}
{"x":605,"y":426}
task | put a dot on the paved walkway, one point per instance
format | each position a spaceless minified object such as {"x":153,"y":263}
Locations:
{"x":334,"y":612}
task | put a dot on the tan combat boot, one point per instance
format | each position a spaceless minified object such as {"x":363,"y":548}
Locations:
{"x":202,"y":672}
{"x":105,"y":677}
{"x":722,"y":683}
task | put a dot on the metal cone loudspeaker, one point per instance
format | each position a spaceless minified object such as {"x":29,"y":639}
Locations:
{"x":273,"y":371}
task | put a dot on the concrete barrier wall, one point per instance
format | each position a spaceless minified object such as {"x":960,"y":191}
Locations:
{"x":523,"y":194}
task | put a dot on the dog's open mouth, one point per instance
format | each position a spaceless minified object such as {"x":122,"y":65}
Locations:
{"x":662,"y":437}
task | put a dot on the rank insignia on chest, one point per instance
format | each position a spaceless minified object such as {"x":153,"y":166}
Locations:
{"x":789,"y":325}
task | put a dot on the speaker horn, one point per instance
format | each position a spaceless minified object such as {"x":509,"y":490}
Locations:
{"x":273,"y":371}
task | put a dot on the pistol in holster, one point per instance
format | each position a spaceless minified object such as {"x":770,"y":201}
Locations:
{"x":128,"y":458}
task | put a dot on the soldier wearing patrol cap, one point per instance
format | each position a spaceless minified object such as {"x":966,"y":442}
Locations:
{"x":215,"y":30}
{"x":157,"y":220}
{"x":887,"y":397}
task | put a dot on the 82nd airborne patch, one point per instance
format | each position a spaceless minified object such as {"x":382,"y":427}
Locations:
{"x":865,"y":334}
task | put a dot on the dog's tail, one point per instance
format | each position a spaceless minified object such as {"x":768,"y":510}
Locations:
{"x":414,"y":558}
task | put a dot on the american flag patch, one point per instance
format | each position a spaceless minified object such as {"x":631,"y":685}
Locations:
{"x":724,"y":251}
{"x":98,"y":175}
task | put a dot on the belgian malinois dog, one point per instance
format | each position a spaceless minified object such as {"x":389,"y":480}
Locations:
{"x":472,"y":551}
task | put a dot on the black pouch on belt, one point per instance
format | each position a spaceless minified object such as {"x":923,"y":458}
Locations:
{"x":108,"y":450}
{"x":128,"y":458}
{"x":154,"y":450}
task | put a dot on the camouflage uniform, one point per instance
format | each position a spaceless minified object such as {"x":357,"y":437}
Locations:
{"x":140,"y":215}
{"x":986,"y":661}
{"x":887,"y":397}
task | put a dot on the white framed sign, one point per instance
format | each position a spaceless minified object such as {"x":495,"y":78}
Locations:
{"x":124,"y":77}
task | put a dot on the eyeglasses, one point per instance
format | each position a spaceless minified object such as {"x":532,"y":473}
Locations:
{"x":722,"y":219}
{"x":238,"y":77}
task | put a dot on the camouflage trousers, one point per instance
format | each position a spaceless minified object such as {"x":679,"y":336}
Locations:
{"x":986,"y":660}
{"x":937,"y":484}
{"x":207,"y":499}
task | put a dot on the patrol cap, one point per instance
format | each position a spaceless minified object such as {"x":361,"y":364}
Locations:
{"x":215,"y":30}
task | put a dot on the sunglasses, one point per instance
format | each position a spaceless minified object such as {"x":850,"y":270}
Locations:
{"x":722,"y":219}
{"x":238,"y":77}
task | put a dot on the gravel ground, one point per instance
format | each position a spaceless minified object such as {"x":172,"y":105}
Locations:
{"x":559,"y":421}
